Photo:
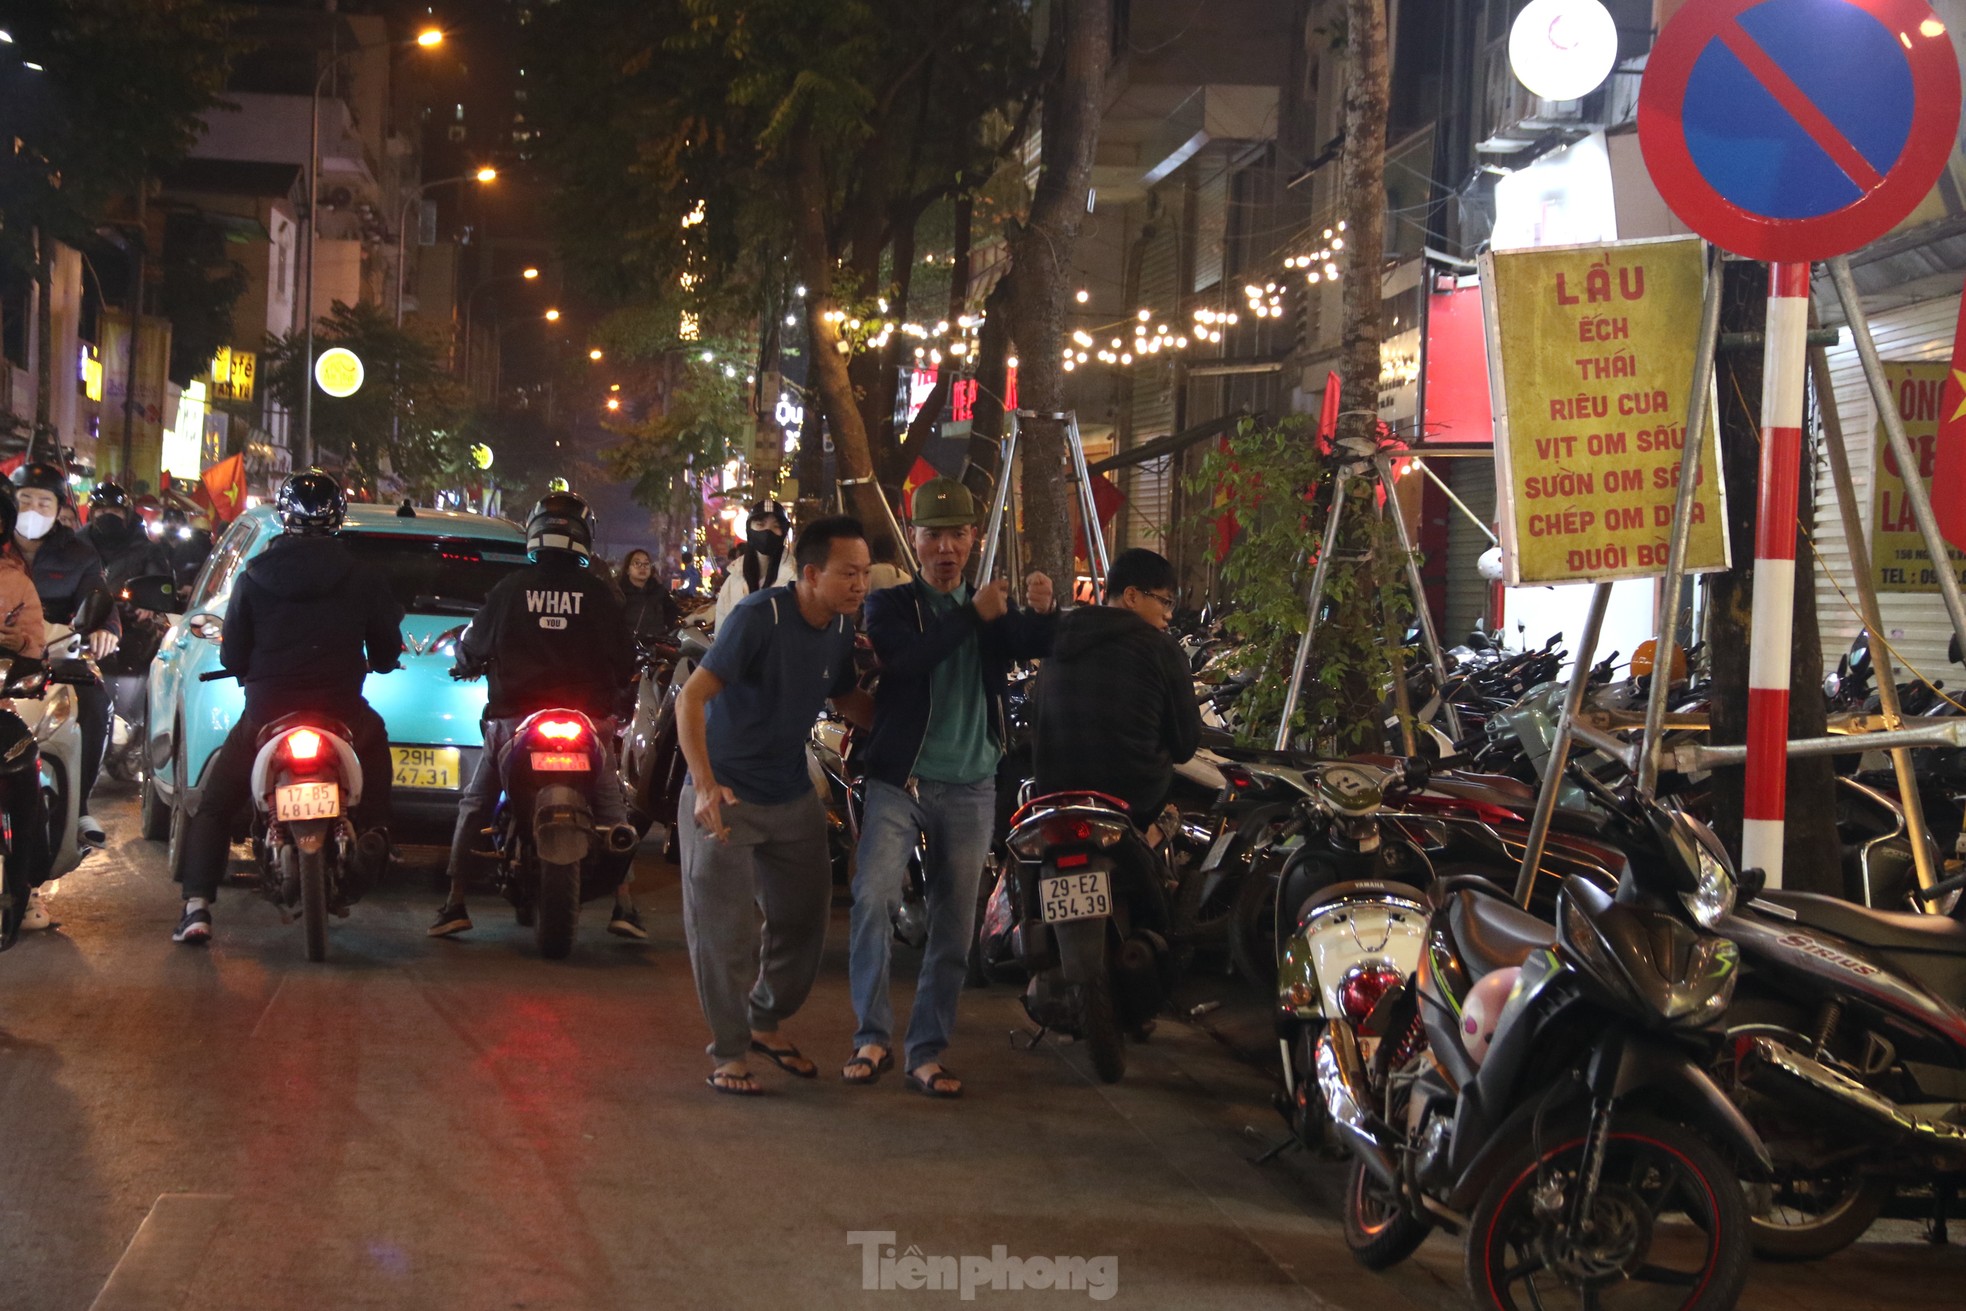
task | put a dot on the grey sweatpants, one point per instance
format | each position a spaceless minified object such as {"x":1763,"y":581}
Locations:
{"x":751,"y":976}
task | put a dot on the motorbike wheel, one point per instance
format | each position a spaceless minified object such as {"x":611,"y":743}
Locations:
{"x":557,"y":910}
{"x":1379,"y":1229}
{"x":314,"y":901}
{"x":1103,"y":1038}
{"x":1656,"y":1175}
{"x":1253,"y":927}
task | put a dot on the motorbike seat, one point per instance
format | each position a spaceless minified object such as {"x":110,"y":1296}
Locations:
{"x":1513,"y":794}
{"x":1930,"y":948}
{"x":1494,"y":934}
{"x":304,"y":719}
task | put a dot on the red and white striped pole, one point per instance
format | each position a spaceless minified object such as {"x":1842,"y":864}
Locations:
{"x":1784,"y":366}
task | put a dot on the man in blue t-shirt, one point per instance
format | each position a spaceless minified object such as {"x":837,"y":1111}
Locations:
{"x":757,"y":836}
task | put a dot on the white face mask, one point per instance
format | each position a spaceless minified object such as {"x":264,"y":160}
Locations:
{"x":33,"y":525}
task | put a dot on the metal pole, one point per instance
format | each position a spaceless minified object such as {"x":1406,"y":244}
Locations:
{"x":1573,"y":704}
{"x":1000,"y":501}
{"x":1314,"y":603}
{"x":306,"y":451}
{"x":1095,"y":534}
{"x":1887,"y":683}
{"x":1894,"y":430}
{"x":1764,"y":805}
{"x":1697,"y":408}
{"x":1417,"y":585}
{"x":402,"y":219}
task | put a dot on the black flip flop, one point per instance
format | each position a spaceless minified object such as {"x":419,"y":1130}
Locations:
{"x":782,"y":1058}
{"x":733,"y":1084}
{"x":875,"y":1069}
{"x":932,"y":1086}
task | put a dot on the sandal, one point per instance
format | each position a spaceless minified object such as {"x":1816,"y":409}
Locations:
{"x":943,"y":1084}
{"x":737,"y":1083}
{"x":787,"y":1058}
{"x":860,"y":1069}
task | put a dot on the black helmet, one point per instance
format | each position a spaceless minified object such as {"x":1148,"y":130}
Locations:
{"x":560,"y":522}
{"x":109,"y":495}
{"x":311,"y":504}
{"x":769,"y":509}
{"x":44,"y":476}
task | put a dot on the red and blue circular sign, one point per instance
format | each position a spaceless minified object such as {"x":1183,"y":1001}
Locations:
{"x":1794,"y":130}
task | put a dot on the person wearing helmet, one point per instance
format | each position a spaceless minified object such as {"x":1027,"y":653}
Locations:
{"x":65,"y":569}
{"x":550,"y":636}
{"x":306,"y":624}
{"x":127,"y":552}
{"x":764,"y":561}
{"x":22,"y":633}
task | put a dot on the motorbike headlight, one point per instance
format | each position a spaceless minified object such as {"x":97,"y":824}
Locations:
{"x":1713,"y":897}
{"x":58,"y":709}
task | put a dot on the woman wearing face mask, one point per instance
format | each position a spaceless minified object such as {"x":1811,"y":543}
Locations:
{"x":64,"y":569}
{"x":766,"y":561}
{"x":22,"y":633}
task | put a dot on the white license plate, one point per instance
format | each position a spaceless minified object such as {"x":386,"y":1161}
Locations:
{"x":306,"y":801}
{"x":1075,"y":896}
{"x":1219,"y":849}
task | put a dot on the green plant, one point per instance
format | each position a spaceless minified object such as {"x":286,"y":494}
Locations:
{"x":1273,"y":490}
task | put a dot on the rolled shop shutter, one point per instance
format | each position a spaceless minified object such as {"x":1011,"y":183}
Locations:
{"x":1914,"y":622}
{"x":1149,"y":487}
{"x":1473,"y":480}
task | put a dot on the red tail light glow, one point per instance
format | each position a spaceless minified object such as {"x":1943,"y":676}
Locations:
{"x":561,"y":730}
{"x":1358,"y":994}
{"x":303,"y":744}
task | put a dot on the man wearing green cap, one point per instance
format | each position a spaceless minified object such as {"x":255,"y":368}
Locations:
{"x":945,"y":650}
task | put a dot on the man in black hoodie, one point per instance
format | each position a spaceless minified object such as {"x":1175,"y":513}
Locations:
{"x":1116,"y":703}
{"x":306,"y":624}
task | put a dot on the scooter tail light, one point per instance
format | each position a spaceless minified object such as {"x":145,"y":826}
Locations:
{"x":303,"y":744}
{"x":1362,"y":989}
{"x":560,"y":730}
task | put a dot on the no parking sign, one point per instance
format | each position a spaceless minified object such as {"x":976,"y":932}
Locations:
{"x":1794,"y":130}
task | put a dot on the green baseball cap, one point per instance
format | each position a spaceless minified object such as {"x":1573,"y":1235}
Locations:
{"x":943,"y":503}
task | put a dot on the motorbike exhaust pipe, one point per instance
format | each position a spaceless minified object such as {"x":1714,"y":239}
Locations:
{"x":622,"y":838}
{"x":1779,"y":1069}
{"x":1341,"y":1081}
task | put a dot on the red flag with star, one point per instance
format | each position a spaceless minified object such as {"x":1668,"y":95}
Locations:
{"x":224,"y":488}
{"x":921,"y":473}
{"x":1949,"y":451}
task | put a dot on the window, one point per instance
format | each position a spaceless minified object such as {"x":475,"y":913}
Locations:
{"x":437,"y":575}
{"x":216,"y":580}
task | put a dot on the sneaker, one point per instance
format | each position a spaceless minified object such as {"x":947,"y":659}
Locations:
{"x":626,"y":922}
{"x":89,"y":833}
{"x":195,"y":928}
{"x":37,"y":916}
{"x":451,"y":920}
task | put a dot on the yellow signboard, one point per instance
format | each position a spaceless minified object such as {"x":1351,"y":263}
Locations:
{"x":339,"y":371}
{"x":1590,"y":352}
{"x":1899,"y":561}
{"x":232,"y":374}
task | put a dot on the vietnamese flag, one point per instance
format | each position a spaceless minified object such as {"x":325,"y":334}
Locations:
{"x":1107,"y":499}
{"x":921,"y":473}
{"x":1949,"y":451}
{"x":224,"y":485}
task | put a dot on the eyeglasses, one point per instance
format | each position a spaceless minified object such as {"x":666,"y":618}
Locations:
{"x":1166,"y":599}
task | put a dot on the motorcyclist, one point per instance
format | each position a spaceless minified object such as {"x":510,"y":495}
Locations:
{"x":119,"y":536}
{"x":21,"y":634}
{"x":65,"y":569}
{"x":306,"y":624}
{"x":185,"y":543}
{"x":548,"y":637}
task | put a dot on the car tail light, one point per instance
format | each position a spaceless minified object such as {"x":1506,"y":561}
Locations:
{"x":561,"y":730}
{"x":303,"y":744}
{"x":1363,"y":988}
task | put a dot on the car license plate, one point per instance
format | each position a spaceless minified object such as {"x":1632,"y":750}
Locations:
{"x":426,"y":767}
{"x":296,"y":801}
{"x":550,"y":762}
{"x":1076,"y":896}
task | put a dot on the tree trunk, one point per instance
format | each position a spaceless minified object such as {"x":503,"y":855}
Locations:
{"x":1363,"y":168}
{"x":832,"y":385}
{"x":1810,"y":846}
{"x":1042,"y":256}
{"x":980,"y":471}
{"x":44,"y":330}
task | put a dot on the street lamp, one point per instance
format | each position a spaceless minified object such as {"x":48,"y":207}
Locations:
{"x":528,"y":274}
{"x":428,"y":39}
{"x":594,"y":354}
{"x":486,"y":174}
{"x":552,"y":316}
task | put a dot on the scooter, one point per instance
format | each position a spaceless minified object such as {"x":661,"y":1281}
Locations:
{"x":652,"y":766}
{"x":57,"y":731}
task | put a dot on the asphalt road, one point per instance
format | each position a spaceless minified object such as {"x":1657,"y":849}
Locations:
{"x":427,"y":1125}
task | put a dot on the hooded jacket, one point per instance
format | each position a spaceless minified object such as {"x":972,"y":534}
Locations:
{"x":64,"y":569}
{"x":306,"y":624}
{"x":910,"y":642}
{"x":1116,"y":710}
{"x":549,"y":636}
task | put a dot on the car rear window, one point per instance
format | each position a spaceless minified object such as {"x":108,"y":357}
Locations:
{"x":437,"y":575}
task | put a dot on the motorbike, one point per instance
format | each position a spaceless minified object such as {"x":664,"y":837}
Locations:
{"x":652,"y":766}
{"x":1545,"y":1089}
{"x":23,"y":683}
{"x":1089,"y":903}
{"x":57,"y":732}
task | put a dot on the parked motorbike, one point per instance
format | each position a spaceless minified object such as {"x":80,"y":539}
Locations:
{"x":1090,"y":907}
{"x":1545,"y":1090}
{"x":652,"y":766}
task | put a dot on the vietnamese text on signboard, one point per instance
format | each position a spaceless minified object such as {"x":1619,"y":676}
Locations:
{"x":1899,"y":561}
{"x":1590,"y":356}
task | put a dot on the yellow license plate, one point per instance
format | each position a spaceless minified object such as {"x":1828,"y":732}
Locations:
{"x":426,"y":767}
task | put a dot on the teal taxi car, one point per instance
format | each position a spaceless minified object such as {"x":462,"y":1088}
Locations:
{"x":439,"y":564}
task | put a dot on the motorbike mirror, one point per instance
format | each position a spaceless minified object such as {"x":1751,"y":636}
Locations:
{"x":153,"y":592}
{"x":1751,"y":883}
{"x":1416,"y":771}
{"x":92,"y":609}
{"x":25,"y":677}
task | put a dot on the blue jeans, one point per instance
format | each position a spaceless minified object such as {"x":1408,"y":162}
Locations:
{"x":957,"y":819}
